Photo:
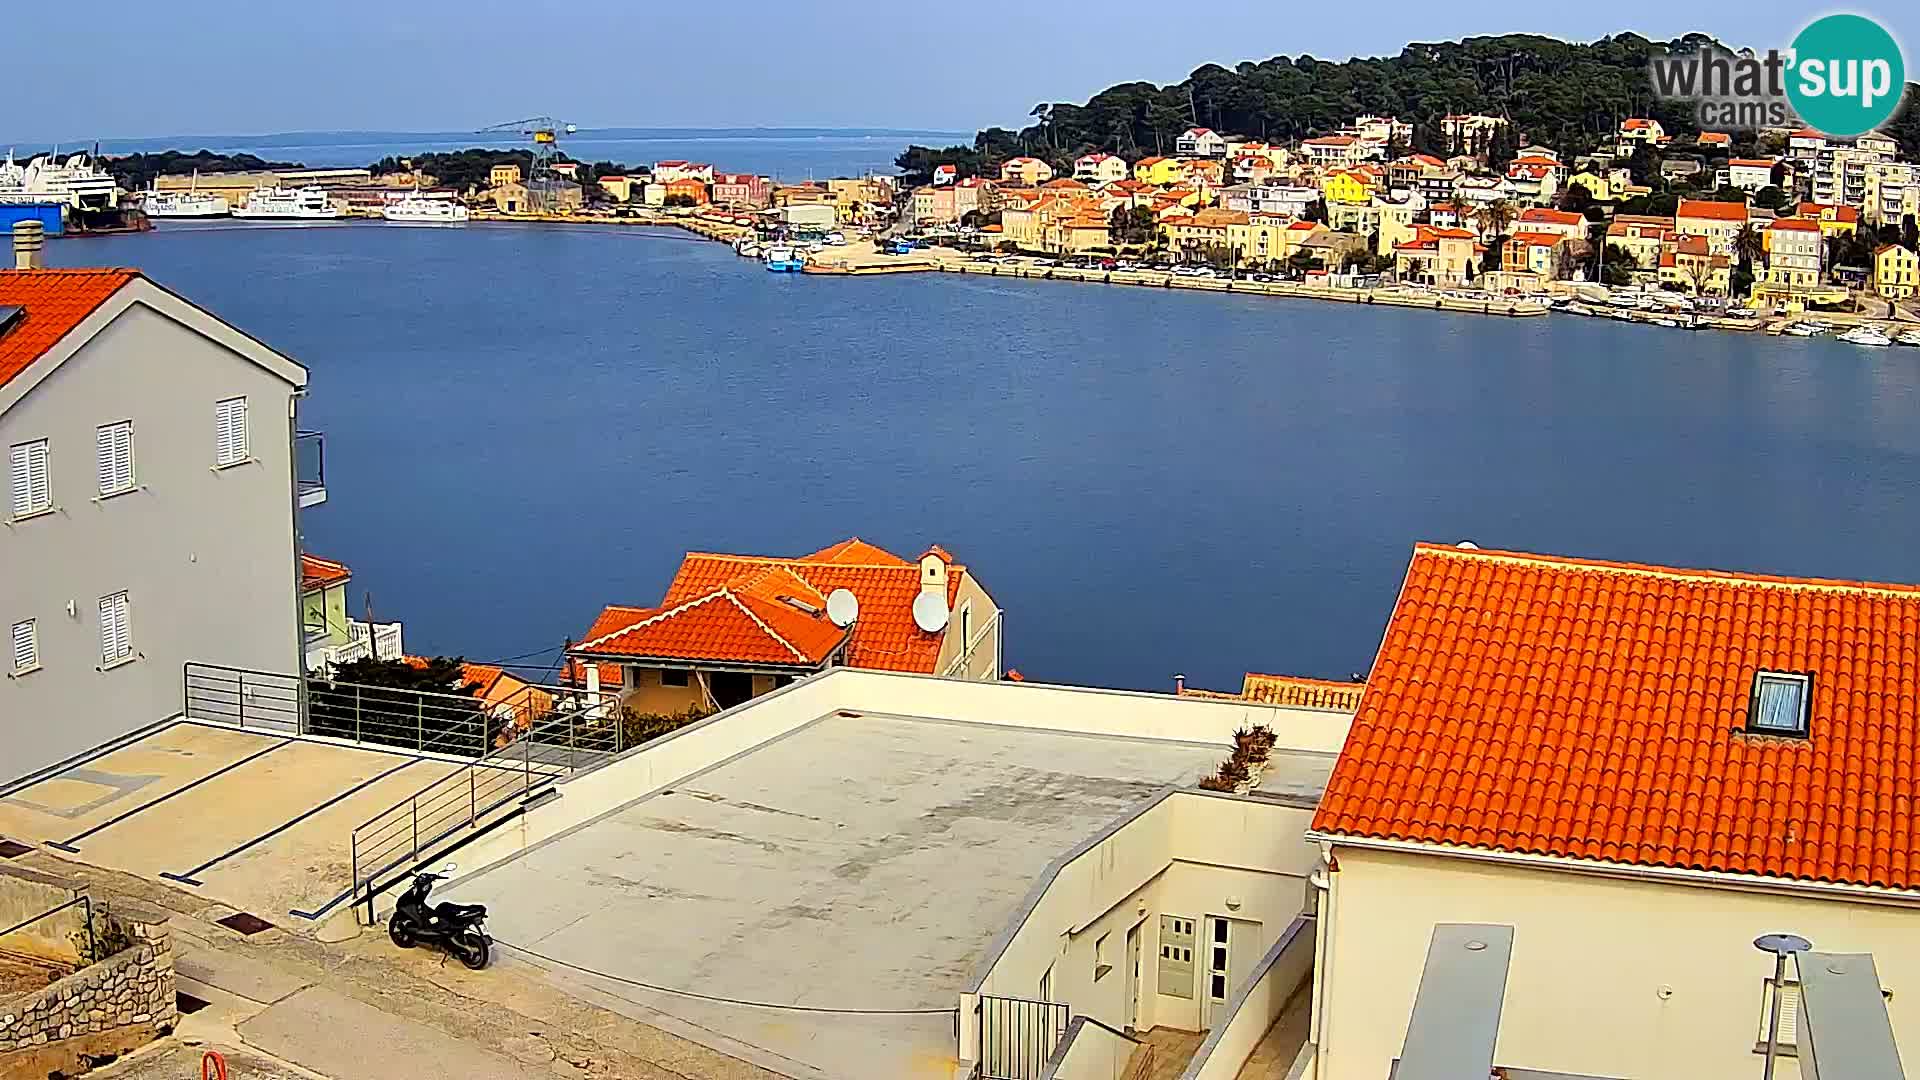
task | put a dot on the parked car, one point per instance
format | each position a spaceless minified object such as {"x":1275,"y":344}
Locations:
{"x":1109,"y":264}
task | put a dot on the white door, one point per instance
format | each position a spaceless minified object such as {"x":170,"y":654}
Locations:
{"x":1216,"y":980}
{"x":1133,"y":979}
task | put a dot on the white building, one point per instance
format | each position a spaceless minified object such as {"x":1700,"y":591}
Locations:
{"x":1200,"y":142}
{"x":1749,"y":174}
{"x":1100,"y":168}
{"x":153,"y":494}
{"x":1287,"y":200}
{"x":1572,"y":866}
{"x":1340,"y":151}
{"x":1381,"y":130}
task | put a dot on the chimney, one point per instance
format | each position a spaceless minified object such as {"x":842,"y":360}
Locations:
{"x":933,"y":573}
{"x":1179,"y":683}
{"x":28,"y":238}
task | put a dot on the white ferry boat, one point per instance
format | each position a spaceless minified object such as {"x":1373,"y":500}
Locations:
{"x":307,"y":203}
{"x":77,"y":182}
{"x":420,"y":210}
{"x":184,"y":204}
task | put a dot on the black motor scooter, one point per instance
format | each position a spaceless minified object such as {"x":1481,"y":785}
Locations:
{"x":456,"y":928}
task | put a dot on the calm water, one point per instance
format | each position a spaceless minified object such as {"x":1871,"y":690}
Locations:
{"x":784,"y":153}
{"x":525,"y":424}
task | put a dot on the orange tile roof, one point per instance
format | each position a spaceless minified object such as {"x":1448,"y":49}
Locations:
{"x":1715,"y":211}
{"x":1795,"y":224}
{"x":1596,"y":710}
{"x":318,"y":573}
{"x":1753,"y":163}
{"x":1552,"y":217}
{"x":740,"y":608}
{"x":1295,"y":690}
{"x":56,"y":301}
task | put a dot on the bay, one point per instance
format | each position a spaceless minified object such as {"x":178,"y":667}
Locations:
{"x":526,"y":423}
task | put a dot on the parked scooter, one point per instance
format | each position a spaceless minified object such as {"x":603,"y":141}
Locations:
{"x":457,"y":928}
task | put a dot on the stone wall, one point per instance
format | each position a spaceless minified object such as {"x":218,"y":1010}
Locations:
{"x":101,"y":1010}
{"x":25,"y":893}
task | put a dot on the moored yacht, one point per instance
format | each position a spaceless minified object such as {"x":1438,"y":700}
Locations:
{"x":421,"y":210}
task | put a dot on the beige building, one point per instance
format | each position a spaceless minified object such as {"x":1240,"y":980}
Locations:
{"x":1615,"y":835}
{"x":734,"y":627}
{"x":1795,"y":252}
{"x":1896,"y":272}
{"x":502,"y":175}
{"x":1025,"y":171}
{"x":151,"y":506}
{"x":1718,"y":222}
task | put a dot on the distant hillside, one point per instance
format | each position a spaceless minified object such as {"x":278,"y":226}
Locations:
{"x":136,"y":171}
{"x":1562,"y":94}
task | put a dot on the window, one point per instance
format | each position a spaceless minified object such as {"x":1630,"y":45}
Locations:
{"x":26,"y":647}
{"x":113,"y":446}
{"x":29,"y":482}
{"x":966,"y":625}
{"x":1779,"y":703}
{"x":1102,"y":963}
{"x":673,"y":676}
{"x":116,"y":638}
{"x":230,"y":432}
{"x":1787,"y":1042}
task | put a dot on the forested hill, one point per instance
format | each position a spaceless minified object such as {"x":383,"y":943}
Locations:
{"x":1562,"y":94}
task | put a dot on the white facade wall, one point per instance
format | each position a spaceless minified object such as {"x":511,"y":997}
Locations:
{"x":1612,"y":976}
{"x":207,"y":557}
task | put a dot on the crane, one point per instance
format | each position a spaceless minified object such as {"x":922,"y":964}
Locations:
{"x":544,"y":132}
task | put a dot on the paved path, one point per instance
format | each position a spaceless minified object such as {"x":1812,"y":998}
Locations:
{"x":306,"y":1029}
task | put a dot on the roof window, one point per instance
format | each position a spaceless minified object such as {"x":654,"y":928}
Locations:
{"x":1779,"y":704}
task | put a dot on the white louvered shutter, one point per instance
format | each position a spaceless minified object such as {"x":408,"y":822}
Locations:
{"x":113,"y":446}
{"x":230,"y":431}
{"x":26,"y":646}
{"x":116,"y":638}
{"x":29,"y":485}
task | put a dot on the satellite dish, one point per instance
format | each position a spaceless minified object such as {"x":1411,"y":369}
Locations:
{"x":1468,"y":545}
{"x":842,"y":607}
{"x":930,"y":612}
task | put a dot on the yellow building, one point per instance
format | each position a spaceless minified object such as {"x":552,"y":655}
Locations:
{"x":1896,"y":272}
{"x":1341,"y":186}
{"x":1611,"y":188}
{"x":1834,"y":220}
{"x":502,"y":175}
{"x":1159,"y":171}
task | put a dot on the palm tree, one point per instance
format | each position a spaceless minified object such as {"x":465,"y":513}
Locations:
{"x":1495,"y":217}
{"x":1748,"y":244}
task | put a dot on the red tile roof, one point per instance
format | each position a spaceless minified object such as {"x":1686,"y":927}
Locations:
{"x":1707,"y":208}
{"x":318,"y":573}
{"x":1795,"y":224}
{"x":56,"y":301}
{"x":742,"y":608}
{"x":1551,"y":217}
{"x":1596,"y":710}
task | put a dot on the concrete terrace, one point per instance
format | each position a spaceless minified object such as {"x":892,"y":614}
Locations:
{"x":861,"y":862}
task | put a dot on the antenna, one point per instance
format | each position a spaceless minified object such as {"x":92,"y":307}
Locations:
{"x":842,"y":607}
{"x":930,"y":612}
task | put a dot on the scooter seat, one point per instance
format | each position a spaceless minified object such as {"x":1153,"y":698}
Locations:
{"x":461,"y":911}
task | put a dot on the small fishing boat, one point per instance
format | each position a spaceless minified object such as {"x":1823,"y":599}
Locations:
{"x":1865,"y":335}
{"x":784,"y":259}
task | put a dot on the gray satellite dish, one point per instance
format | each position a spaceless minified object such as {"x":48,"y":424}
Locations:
{"x":842,"y":607}
{"x":930,"y":612}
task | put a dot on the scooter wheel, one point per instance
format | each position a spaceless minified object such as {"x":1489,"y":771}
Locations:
{"x":474,"y":950}
{"x":399,"y":932}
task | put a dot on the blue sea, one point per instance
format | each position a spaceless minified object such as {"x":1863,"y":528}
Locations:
{"x":524,"y":424}
{"x":790,"y":154}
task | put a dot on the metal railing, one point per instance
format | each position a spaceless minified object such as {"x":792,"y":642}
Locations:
{"x":580,"y":731}
{"x":1018,"y":1036}
{"x":248,"y":699}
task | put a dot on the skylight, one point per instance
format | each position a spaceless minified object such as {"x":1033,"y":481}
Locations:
{"x":8,"y":315}
{"x":1780,"y":700}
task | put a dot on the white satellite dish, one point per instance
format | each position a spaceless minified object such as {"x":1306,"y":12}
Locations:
{"x":842,"y":607}
{"x":930,"y":612}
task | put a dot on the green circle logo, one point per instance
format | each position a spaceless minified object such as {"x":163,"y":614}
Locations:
{"x":1847,"y":75}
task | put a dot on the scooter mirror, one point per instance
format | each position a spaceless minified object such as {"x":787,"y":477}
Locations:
{"x":449,"y":868}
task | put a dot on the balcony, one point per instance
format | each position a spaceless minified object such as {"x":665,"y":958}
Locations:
{"x":310,"y":467}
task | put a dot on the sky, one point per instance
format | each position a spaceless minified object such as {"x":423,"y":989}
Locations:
{"x":233,"y":67}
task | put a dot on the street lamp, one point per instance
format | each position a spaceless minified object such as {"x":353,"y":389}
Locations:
{"x":1781,"y":946}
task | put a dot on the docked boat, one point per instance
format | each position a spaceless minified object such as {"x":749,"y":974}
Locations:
{"x":420,"y":210}
{"x":785,"y":259}
{"x":78,"y":182}
{"x":1865,"y":335}
{"x":1805,"y":330}
{"x":1908,"y":337}
{"x":278,"y":203}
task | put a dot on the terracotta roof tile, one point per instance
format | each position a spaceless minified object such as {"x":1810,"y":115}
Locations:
{"x":1596,"y":710}
{"x":56,"y":301}
{"x":318,"y":573}
{"x":1710,"y":210}
{"x":742,"y":608}
{"x":1295,"y":690}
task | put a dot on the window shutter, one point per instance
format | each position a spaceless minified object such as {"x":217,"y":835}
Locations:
{"x":230,"y":431}
{"x":26,"y":648}
{"x":30,"y":487}
{"x":116,"y":639}
{"x":113,"y":446}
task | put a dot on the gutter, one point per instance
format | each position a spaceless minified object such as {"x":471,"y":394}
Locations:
{"x":1715,"y":879}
